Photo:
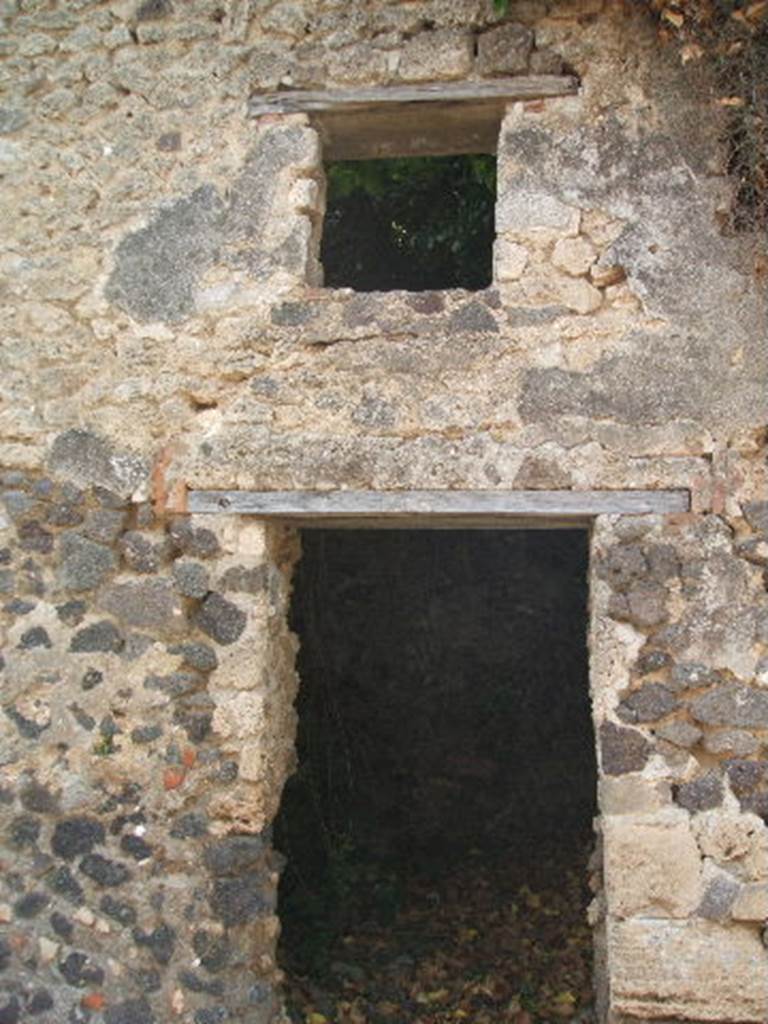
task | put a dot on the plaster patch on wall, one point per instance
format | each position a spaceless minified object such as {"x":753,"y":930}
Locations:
{"x":157,"y":267}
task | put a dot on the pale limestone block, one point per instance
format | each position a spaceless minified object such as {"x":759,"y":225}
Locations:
{"x":253,"y":763}
{"x":687,"y":970}
{"x":579,"y":295}
{"x":652,"y":867}
{"x":525,"y":209}
{"x":752,"y":903}
{"x":440,"y":54}
{"x":239,"y":715}
{"x":600,"y":227}
{"x":632,"y":794}
{"x":574,"y":256}
{"x":48,"y":951}
{"x":736,"y":839}
{"x":510,"y":260}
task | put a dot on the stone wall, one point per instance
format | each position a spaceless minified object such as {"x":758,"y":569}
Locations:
{"x":164,"y":326}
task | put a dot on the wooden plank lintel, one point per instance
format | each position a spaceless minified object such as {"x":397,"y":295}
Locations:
{"x":443,"y":507}
{"x":495,"y":90}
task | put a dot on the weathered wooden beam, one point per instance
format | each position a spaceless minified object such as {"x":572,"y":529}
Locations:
{"x":495,"y":90}
{"x":439,"y":508}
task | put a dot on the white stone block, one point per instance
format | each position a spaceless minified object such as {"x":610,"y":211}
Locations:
{"x":524,"y":209}
{"x":752,"y":903}
{"x":688,"y":971}
{"x":652,"y":867}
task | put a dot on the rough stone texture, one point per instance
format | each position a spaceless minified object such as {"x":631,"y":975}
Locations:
{"x":622,"y":750}
{"x":163,"y":323}
{"x":652,"y":868}
{"x":504,"y":50}
{"x":146,"y":604}
{"x":648,"y":704}
{"x":84,"y":563}
{"x":751,"y":904}
{"x":700,"y":794}
{"x":679,"y":970}
{"x":187,"y":234}
{"x":735,"y":706}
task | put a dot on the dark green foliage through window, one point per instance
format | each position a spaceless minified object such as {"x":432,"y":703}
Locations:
{"x":411,"y":223}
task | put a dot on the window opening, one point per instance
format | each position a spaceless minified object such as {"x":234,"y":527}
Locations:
{"x":437,"y":830}
{"x":411,"y":223}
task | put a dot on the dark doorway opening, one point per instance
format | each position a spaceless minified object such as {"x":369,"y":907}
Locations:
{"x":438,"y":828}
{"x":411,"y":223}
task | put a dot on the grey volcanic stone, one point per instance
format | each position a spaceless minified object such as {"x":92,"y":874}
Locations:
{"x":40,"y":1001}
{"x":34,"y":637}
{"x":239,"y":900}
{"x":136,"y":847}
{"x":146,"y":733}
{"x":104,"y":871}
{"x":61,"y":925}
{"x":99,"y":636}
{"x":192,"y":578}
{"x":147,"y":604}
{"x":71,"y":613}
{"x":132,"y":1011}
{"x":234,"y":854}
{"x":117,"y":910}
{"x":663,"y":562}
{"x":220,"y":619}
{"x":39,"y":799}
{"x":25,"y":830}
{"x":213,"y":950}
{"x":156,"y":268}
{"x":622,"y":750}
{"x":745,"y":776}
{"x":33,"y":537}
{"x":63,"y":882}
{"x":736,"y":742}
{"x":756,"y":514}
{"x":75,"y":836}
{"x":190,"y":826}
{"x":151,"y":10}
{"x":648,"y":704}
{"x":702,"y":794}
{"x":31,"y":904}
{"x":691,"y":675}
{"x":647,"y":603}
{"x":732,"y":705}
{"x":679,"y":734}
{"x":90,"y":460}
{"x":196,"y":655}
{"x":78,"y":970}
{"x":504,"y":49}
{"x":139,"y":552}
{"x":84,"y":563}
{"x":473,"y":317}
{"x":195,"y":542}
{"x":11,"y":119}
{"x":622,"y":565}
{"x":293,"y":314}
{"x":718,"y":898}
{"x":161,"y":942}
{"x":104,"y":525}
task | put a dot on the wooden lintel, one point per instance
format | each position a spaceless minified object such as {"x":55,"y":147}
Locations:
{"x":449,"y":509}
{"x":429,"y":119}
{"x":495,"y":90}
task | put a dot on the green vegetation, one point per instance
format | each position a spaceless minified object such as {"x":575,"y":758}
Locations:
{"x":428,"y":223}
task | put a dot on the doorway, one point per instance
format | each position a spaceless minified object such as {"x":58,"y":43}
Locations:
{"x":438,"y":826}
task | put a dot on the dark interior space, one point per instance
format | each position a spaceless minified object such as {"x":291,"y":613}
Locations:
{"x":411,"y":223}
{"x":438,"y":828}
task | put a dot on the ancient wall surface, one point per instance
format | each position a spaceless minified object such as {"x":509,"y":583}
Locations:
{"x":164,"y":324}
